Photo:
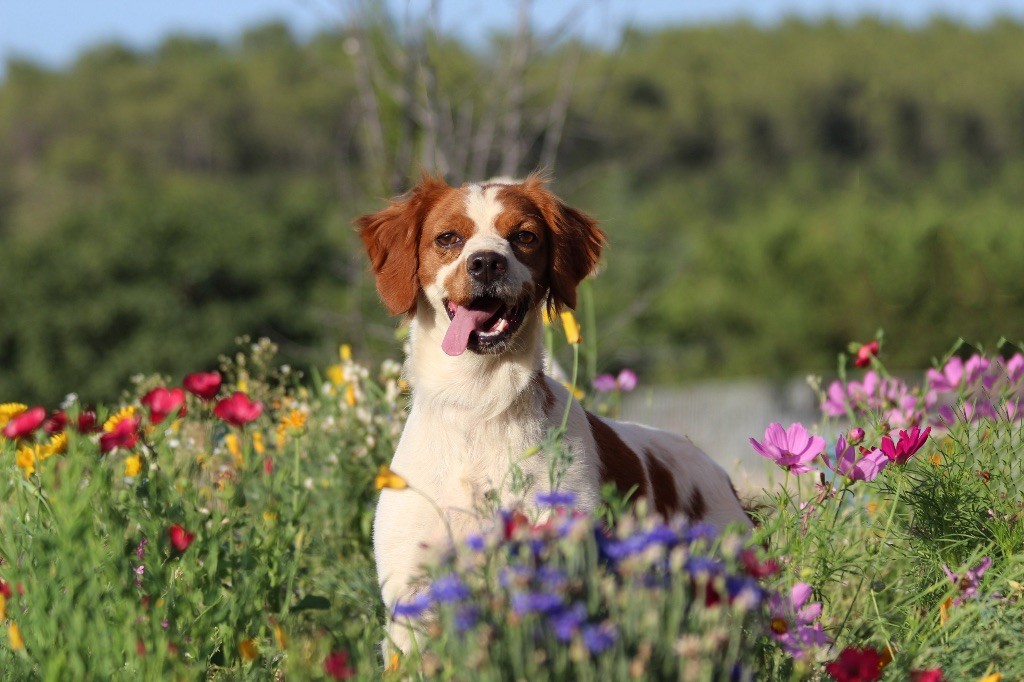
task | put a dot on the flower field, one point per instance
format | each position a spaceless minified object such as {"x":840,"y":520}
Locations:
{"x":218,"y":526}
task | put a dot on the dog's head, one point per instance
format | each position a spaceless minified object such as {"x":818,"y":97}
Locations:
{"x":485,"y":254}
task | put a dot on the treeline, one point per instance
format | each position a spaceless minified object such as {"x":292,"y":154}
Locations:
{"x":769,"y":194}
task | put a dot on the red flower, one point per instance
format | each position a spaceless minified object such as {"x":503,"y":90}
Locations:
{"x":56,"y":423}
{"x":5,"y":588}
{"x":865,"y":353}
{"x":238,"y":410}
{"x":268,"y":465}
{"x":933,"y":675}
{"x":909,"y":443}
{"x":87,"y":422}
{"x":336,"y":665}
{"x":203,"y":384}
{"x":755,"y":568}
{"x":163,"y":401}
{"x":25,"y":423}
{"x":124,"y":435}
{"x":856,"y":665}
{"x":180,"y":538}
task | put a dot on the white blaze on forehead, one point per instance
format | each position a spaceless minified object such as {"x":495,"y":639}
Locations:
{"x":483,"y":208}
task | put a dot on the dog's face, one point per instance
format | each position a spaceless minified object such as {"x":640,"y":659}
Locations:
{"x":485,"y":255}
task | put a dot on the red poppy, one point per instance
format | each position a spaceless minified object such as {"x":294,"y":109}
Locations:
{"x":933,"y":675}
{"x":180,"y":538}
{"x":124,"y":435}
{"x":203,"y":384}
{"x":25,"y":423}
{"x":865,"y":353}
{"x":163,"y":401}
{"x":856,"y":665}
{"x":238,"y":410}
{"x":87,"y":422}
{"x":57,"y":422}
{"x":336,"y":665}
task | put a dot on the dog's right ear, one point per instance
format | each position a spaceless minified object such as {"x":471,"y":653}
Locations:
{"x":392,"y":239}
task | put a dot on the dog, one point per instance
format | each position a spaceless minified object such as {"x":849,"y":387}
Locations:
{"x":472,"y":268}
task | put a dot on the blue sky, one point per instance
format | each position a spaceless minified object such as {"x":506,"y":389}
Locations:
{"x":54,"y":31}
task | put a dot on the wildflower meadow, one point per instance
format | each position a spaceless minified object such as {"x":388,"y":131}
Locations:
{"x":218,"y":526}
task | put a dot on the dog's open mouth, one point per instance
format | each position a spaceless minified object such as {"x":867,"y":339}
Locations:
{"x":485,"y":325}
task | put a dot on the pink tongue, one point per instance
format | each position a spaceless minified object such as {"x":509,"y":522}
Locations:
{"x":465,"y":322}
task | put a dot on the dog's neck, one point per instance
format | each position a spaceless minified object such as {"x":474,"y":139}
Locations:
{"x":482,"y":386}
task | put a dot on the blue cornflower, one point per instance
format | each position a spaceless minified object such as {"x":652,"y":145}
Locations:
{"x":557,"y":498}
{"x":599,"y":638}
{"x":536,"y":602}
{"x":661,"y":535}
{"x":466,"y":617}
{"x":702,"y":564}
{"x":551,"y":577}
{"x":566,"y":622}
{"x":449,"y":588}
{"x":700,"y":531}
{"x":412,"y":608}
{"x":476,"y":543}
{"x":739,"y":585}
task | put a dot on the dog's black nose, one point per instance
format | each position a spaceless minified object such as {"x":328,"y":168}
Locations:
{"x":486,"y":266}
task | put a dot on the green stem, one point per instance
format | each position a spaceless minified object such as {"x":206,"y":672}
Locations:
{"x":572,"y":386}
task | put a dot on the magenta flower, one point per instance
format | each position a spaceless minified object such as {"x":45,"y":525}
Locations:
{"x":909,"y":443}
{"x":865,"y":353}
{"x":865,"y":468}
{"x":793,"y":621}
{"x":626,"y":381}
{"x":836,"y":402}
{"x":968,"y":582}
{"x":792,"y":448}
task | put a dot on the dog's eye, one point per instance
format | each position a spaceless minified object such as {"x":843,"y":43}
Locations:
{"x":524,"y":237}
{"x":448,"y":240}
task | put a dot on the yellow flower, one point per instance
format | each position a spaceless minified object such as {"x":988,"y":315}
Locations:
{"x":26,"y":459}
{"x":336,"y":375}
{"x":944,"y":611}
{"x":243,"y":385}
{"x":386,"y":478}
{"x":545,"y":315}
{"x":118,"y":417}
{"x":14,"y":634}
{"x":234,"y":447}
{"x":576,"y":391}
{"x":9,"y":411}
{"x":350,"y":395}
{"x":58,"y":444}
{"x":132,"y":466}
{"x":279,"y":636}
{"x":392,"y":663}
{"x":345,"y":352}
{"x":571,"y":326}
{"x":280,"y":436}
{"x":257,"y":442}
{"x":295,"y":419}
{"x":991,"y":677}
{"x":3,"y":607}
{"x":248,"y":650}
{"x":269,"y":516}
{"x":935,"y":459}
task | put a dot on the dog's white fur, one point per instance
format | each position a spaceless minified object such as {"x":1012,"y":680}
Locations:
{"x":474,"y":415}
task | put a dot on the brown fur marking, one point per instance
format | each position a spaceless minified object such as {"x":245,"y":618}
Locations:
{"x":697,"y":506}
{"x":618,"y":464}
{"x":666,"y":497}
{"x":542,"y":386}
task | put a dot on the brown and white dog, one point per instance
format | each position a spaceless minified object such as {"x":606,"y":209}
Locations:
{"x":473,"y":267}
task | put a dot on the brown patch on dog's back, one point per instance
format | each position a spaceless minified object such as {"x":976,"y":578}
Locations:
{"x":697,"y":507}
{"x":618,"y":464}
{"x":666,"y":497}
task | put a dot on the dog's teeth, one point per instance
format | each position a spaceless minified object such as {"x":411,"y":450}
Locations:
{"x":501,"y":326}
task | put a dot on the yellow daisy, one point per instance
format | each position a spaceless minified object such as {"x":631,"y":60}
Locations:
{"x":386,"y":478}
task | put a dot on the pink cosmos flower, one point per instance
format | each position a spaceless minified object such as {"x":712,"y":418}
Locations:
{"x":238,"y":410}
{"x":793,"y":621}
{"x":836,"y":401}
{"x":968,"y":582}
{"x":792,"y":448}
{"x":909,"y":443}
{"x":626,"y":381}
{"x":866,"y":468}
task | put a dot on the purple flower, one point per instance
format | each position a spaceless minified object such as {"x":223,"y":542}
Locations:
{"x":466,"y":617}
{"x":909,"y":443}
{"x":412,"y":608}
{"x":968,"y":582}
{"x":835,"y":403}
{"x":626,"y":381}
{"x":536,"y":602}
{"x":557,"y":498}
{"x":140,"y":551}
{"x":551,"y":577}
{"x":745,"y":589}
{"x":702,"y":565}
{"x":700,"y":531}
{"x":476,"y":543}
{"x":567,"y":622}
{"x":599,"y":638}
{"x":793,"y":623}
{"x":449,"y":588}
{"x":847,"y":464}
{"x":792,"y":448}
{"x":604,"y":383}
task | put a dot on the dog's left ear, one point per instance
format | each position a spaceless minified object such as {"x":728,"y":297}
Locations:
{"x":576,"y":243}
{"x":392,"y":240}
